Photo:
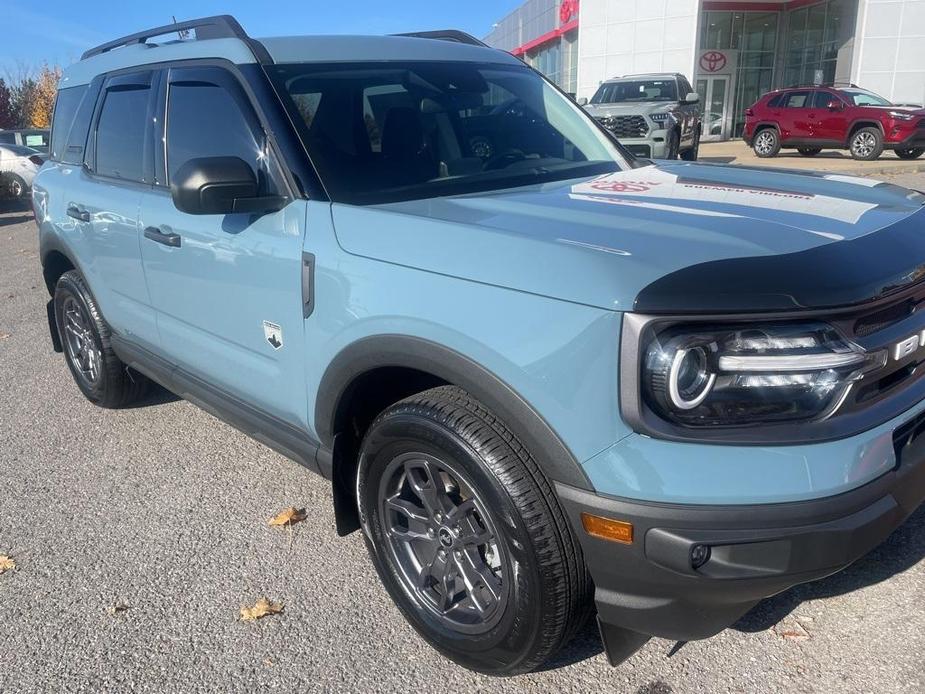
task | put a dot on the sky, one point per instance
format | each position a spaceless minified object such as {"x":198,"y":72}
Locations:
{"x":58,"y":31}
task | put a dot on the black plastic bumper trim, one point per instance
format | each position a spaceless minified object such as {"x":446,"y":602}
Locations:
{"x":652,"y":588}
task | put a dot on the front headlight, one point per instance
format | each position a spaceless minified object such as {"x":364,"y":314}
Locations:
{"x":660,"y":117}
{"x":749,"y":374}
{"x":902,"y":115}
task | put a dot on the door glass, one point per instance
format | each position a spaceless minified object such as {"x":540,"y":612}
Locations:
{"x":204,"y":120}
{"x":120,"y":133}
{"x":716,"y":107}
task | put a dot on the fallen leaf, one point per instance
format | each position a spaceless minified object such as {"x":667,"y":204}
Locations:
{"x":4,"y":336}
{"x":6,"y":563}
{"x":117,"y":608}
{"x":268,"y":662}
{"x":792,"y":631}
{"x":290,"y":516}
{"x":261,"y":608}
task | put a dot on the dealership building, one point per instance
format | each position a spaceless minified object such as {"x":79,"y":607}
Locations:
{"x":733,"y":52}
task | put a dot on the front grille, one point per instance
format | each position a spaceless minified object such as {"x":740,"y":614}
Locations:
{"x":625,"y":126}
{"x":879,"y":327}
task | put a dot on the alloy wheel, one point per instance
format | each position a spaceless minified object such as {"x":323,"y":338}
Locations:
{"x":864,"y":144}
{"x":764,"y":143}
{"x":16,"y":189}
{"x":444,"y":543}
{"x":82,"y":349}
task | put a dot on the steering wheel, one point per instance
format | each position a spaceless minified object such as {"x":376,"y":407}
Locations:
{"x":503,"y":160}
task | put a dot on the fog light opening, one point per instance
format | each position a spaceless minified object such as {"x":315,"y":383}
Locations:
{"x":700,"y":555}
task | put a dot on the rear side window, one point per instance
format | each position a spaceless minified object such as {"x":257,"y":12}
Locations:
{"x":205,"y":120}
{"x":120,"y":133}
{"x":776,"y":101}
{"x":796,"y":100}
{"x":66,"y":106}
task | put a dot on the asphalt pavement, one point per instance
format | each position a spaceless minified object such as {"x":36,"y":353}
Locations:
{"x":139,"y":534}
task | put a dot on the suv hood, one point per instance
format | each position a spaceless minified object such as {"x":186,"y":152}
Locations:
{"x":630,"y":108}
{"x":666,"y":237}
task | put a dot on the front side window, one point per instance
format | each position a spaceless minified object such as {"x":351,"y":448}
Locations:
{"x":205,"y":120}
{"x":386,"y":132}
{"x":859,"y":97}
{"x":120,"y":132}
{"x":636,"y":90}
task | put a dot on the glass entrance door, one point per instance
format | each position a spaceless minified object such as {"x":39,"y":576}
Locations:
{"x":714,"y":97}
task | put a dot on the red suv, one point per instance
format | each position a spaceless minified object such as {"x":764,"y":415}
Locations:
{"x":809,"y":119}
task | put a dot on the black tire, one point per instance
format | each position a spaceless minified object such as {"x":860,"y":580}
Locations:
{"x":444,"y":434}
{"x":914,"y":153}
{"x":766,"y":143}
{"x":16,"y":187}
{"x":809,"y":151}
{"x":694,"y":152}
{"x":866,"y":144}
{"x":111,"y":384}
{"x":673,"y":145}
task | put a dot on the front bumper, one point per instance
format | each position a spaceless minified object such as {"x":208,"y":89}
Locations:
{"x":652,"y":146}
{"x":651,"y":588}
{"x":912,"y":140}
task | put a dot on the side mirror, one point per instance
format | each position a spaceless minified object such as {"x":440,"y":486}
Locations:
{"x":220,"y":185}
{"x":692,"y":98}
{"x":835,"y":105}
{"x":583,"y":101}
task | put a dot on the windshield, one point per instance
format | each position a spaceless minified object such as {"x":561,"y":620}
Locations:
{"x":394,"y":131}
{"x":859,"y":97}
{"x":636,"y":90}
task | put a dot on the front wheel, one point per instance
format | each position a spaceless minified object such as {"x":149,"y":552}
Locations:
{"x":694,"y":152}
{"x":867,"y":144}
{"x":17,"y":188}
{"x":467,"y":535}
{"x":914,"y":153}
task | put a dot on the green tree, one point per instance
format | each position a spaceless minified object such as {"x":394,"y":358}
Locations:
{"x":6,"y":106}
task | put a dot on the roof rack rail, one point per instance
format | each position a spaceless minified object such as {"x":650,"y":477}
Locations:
{"x":218,"y":27}
{"x":446,"y":35}
{"x":850,"y":85}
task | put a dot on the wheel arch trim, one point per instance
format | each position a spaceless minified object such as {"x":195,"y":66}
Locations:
{"x":394,"y":350}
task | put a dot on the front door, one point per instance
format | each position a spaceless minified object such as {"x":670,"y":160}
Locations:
{"x":714,"y":95}
{"x":226,"y":288}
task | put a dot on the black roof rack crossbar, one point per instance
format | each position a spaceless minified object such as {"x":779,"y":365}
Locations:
{"x":218,"y":27}
{"x":446,"y":35}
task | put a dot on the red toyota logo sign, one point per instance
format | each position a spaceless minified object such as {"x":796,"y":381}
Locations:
{"x":713,"y":61}
{"x":567,"y":10}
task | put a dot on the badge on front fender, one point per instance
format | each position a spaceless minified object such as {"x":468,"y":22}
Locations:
{"x":273,"y":334}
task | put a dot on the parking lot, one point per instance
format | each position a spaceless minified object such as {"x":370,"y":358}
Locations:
{"x":138,"y":535}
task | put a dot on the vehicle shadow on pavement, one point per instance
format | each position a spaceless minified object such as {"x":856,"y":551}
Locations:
{"x":8,"y":220}
{"x":716,"y":160}
{"x":901,"y":551}
{"x":156,"y":395}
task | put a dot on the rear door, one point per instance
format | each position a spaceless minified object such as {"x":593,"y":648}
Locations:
{"x":227,"y":289}
{"x":103,"y":203}
{"x":794,"y":116}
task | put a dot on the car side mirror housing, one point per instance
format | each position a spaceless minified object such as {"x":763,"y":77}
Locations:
{"x":692,"y":98}
{"x":220,"y":185}
{"x":583,"y":101}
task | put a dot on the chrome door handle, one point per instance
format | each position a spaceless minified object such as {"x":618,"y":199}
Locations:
{"x":158,"y":236}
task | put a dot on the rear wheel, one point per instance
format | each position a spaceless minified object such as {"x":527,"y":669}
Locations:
{"x":467,"y":535}
{"x":98,"y":372}
{"x":767,"y":143}
{"x":867,"y":144}
{"x":910,"y":153}
{"x":809,"y":151}
{"x":16,"y":188}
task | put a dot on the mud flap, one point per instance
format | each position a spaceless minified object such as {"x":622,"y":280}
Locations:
{"x":620,"y":643}
{"x":53,"y":327}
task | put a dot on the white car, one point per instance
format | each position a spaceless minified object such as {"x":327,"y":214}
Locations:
{"x":18,"y":166}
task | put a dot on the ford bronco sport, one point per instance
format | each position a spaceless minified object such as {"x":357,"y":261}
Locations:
{"x":811,"y":119}
{"x":539,"y":381}
{"x":653,"y":115}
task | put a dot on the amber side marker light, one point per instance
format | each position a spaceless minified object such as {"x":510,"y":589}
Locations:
{"x":607,"y":528}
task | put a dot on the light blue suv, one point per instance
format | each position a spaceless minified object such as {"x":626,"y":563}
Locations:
{"x":540,"y":374}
